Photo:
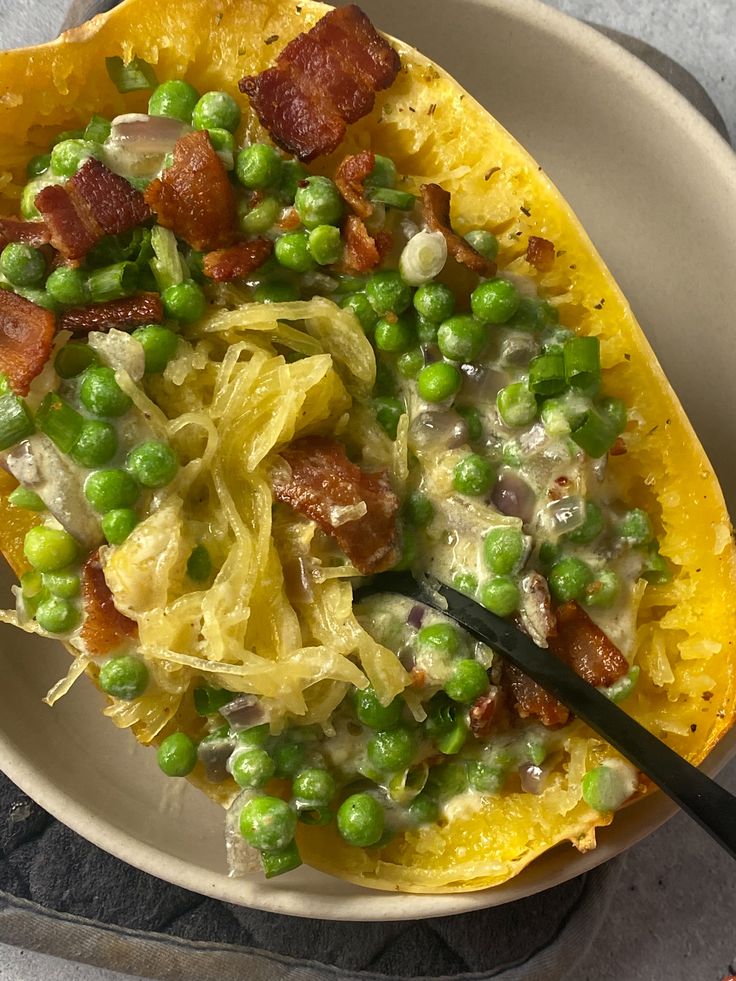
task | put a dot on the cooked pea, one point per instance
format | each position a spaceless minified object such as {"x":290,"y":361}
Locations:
{"x":38,"y":165}
{"x":394,"y":336}
{"x":67,"y":286}
{"x":465,"y":582}
{"x":29,"y":500}
{"x":277,"y":861}
{"x":612,"y":409}
{"x":469,"y":680}
{"x":159,"y":346}
{"x":325,"y":244}
{"x":424,"y":810}
{"x":439,"y":381}
{"x":483,"y":242}
{"x":292,"y":173}
{"x":153,"y":463}
{"x":656,"y":568}
{"x":174,"y":98}
{"x":503,"y":549}
{"x":418,"y":509}
{"x":258,"y":219}
{"x":388,"y":410}
{"x":495,"y":301}
{"x":292,"y":252}
{"x":371,"y":712}
{"x":277,"y":291}
{"x":96,"y":444}
{"x":591,"y":527}
{"x":441,"y":638}
{"x":473,"y":475}
{"x":635,"y":528}
{"x":472,"y":420}
{"x":486,"y":778}
{"x":318,"y":202}
{"x":64,"y":584}
{"x":177,"y":755}
{"x":69,"y":155}
{"x":568,"y":578}
{"x":101,"y":394}
{"x":252,"y":767}
{"x":462,"y":338}
{"x":28,"y":207}
{"x":435,"y":302}
{"x":124,"y":677}
{"x":108,"y":490}
{"x":118,"y":524}
{"x":500,"y":595}
{"x":426,"y":330}
{"x":367,"y":316}
{"x":199,"y":564}
{"x":49,"y":549}
{"x":410,"y":363}
{"x":603,"y":591}
{"x":447,"y":780}
{"x":289,"y":759}
{"x":216,"y":110}
{"x":314,"y":786}
{"x":184,"y":301}
{"x":603,"y":789}
{"x":383,"y":173}
{"x":392,"y":749}
{"x":22,"y":265}
{"x":517,"y":406}
{"x":267,"y":823}
{"x":360,"y":820}
{"x":388,"y":293}
{"x":549,"y":554}
{"x":56,"y":615}
{"x":533,"y":315}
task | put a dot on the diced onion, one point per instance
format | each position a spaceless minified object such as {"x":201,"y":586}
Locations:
{"x":423,"y":258}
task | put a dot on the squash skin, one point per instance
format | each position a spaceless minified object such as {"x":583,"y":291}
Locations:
{"x":689,"y":623}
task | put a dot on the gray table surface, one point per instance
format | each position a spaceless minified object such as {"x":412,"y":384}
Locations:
{"x":674,"y":915}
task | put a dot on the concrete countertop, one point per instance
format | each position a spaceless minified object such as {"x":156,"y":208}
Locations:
{"x":673,"y":913}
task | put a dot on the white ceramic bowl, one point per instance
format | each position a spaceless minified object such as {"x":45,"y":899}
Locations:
{"x":656,"y":188}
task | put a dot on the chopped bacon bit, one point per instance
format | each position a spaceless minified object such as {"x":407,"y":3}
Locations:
{"x":384,"y":243}
{"x":583,"y":645}
{"x":418,"y":677}
{"x":33,"y":233}
{"x":322,"y":80}
{"x":125,"y":314}
{"x":26,"y":336}
{"x":483,"y":712}
{"x":540,"y":253}
{"x":361,"y":252}
{"x":349,"y":178}
{"x":194,"y":197}
{"x":529,"y":698}
{"x":290,"y":220}
{"x":319,"y":478}
{"x":94,"y":203}
{"x":238,"y":260}
{"x":618,"y":448}
{"x":105,"y":629}
{"x":436,"y":209}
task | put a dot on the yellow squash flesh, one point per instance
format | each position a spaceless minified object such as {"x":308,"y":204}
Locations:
{"x":435,"y":131}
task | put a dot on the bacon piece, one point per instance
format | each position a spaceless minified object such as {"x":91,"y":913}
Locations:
{"x":26,"y":336}
{"x":436,"y":209}
{"x":540,"y":253}
{"x":529,"y":698}
{"x":483,"y":712}
{"x":105,"y":629}
{"x":322,"y":80}
{"x":361,"y":252}
{"x":125,"y":314}
{"x":33,"y":233}
{"x":194,"y":197}
{"x":94,"y":203}
{"x":290,"y":220}
{"x":583,"y":645}
{"x":349,"y":178}
{"x":238,"y":260}
{"x":319,"y":480}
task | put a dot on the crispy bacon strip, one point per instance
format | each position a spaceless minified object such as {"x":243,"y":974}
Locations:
{"x":238,"y":260}
{"x":529,"y":698}
{"x":349,"y":178}
{"x":322,"y":80}
{"x":194,"y":197}
{"x":540,"y":253}
{"x":125,"y":314}
{"x":26,"y":336}
{"x":105,"y":629}
{"x":319,"y":480}
{"x":436,"y":209}
{"x":361,"y":251}
{"x":582,"y":644}
{"x":33,"y":233}
{"x":94,"y":203}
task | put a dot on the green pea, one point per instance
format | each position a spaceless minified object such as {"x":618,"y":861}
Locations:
{"x":65,"y":585}
{"x":97,"y":129}
{"x":503,"y":549}
{"x":447,"y":780}
{"x":292,"y":252}
{"x":473,"y":421}
{"x":153,"y":463}
{"x":533,"y":315}
{"x":177,"y":755}
{"x":465,"y":582}
{"x":222,"y":142}
{"x":473,"y":475}
{"x":495,"y":301}
{"x":108,"y":490}
{"x":603,"y":789}
{"x":392,"y":749}
{"x":549,"y":554}
{"x":517,"y":406}
{"x":372,"y":713}
{"x":174,"y":98}
{"x":292,"y":174}
{"x":500,"y":595}
{"x":216,"y":110}
{"x":252,"y":767}
{"x":468,"y":681}
{"x":560,"y":415}
{"x":28,"y":207}
{"x":383,"y":174}
{"x":56,"y":615}
{"x":118,"y":524}
{"x":435,"y":302}
{"x":439,"y":381}
{"x":394,"y":336}
{"x":389,"y":410}
{"x":29,"y":500}
{"x":656,"y":568}
{"x":66,"y":286}
{"x":388,"y":293}
{"x":289,"y":759}
{"x":259,"y":218}
{"x":96,"y":444}
{"x":38,"y":165}
{"x":367,"y":316}
{"x":614,"y":411}
{"x":325,"y":244}
{"x":568,"y":579}
{"x":276,"y":291}
{"x":318,"y":202}
{"x":462,"y":338}
{"x":69,"y":155}
{"x":277,"y":861}
{"x":486,"y":778}
{"x":635,"y":528}
{"x":410,"y":363}
{"x":199,"y":564}
{"x":159,"y":346}
{"x":426,"y":330}
{"x":22,"y":265}
{"x":360,"y":820}
{"x":258,"y":166}
{"x":418,"y":509}
{"x":267,"y":823}
{"x":483,"y":242}
{"x":124,"y":677}
{"x":314,"y":786}
{"x":424,"y":810}
{"x":49,"y":549}
{"x":603,"y":591}
{"x":101,"y":394}
{"x":591,"y":528}
{"x":184,"y":301}
{"x":439,"y":638}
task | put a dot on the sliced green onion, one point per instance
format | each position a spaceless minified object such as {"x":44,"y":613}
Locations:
{"x":167,"y":265}
{"x":98,"y":129}
{"x":112,"y":282}
{"x":423,"y":257}
{"x":208,"y":700}
{"x":16,"y":422}
{"x":582,"y":356}
{"x":29,"y":500}
{"x":59,"y":421}
{"x":622,"y":688}
{"x":131,"y":76}
{"x":547,"y":375}
{"x":594,"y":434}
{"x":394,"y":199}
{"x":73,"y":358}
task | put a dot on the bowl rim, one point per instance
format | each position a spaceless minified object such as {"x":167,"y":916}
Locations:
{"x":625,"y":69}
